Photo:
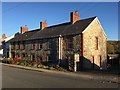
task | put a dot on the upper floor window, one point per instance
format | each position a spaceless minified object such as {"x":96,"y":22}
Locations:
{"x":33,"y":45}
{"x":39,"y":45}
{"x":69,"y":43}
{"x":48,"y":45}
{"x":18,"y":45}
{"x":96,"y":41}
{"x":23,"y":45}
{"x":13,"y":46}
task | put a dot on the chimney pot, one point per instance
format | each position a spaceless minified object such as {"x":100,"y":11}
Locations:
{"x":24,"y":29}
{"x":43,"y":24}
{"x":74,"y":16}
{"x":3,"y":36}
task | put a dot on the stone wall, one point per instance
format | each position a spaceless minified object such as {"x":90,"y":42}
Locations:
{"x":44,"y":52}
{"x":68,"y":54}
{"x":89,"y":46}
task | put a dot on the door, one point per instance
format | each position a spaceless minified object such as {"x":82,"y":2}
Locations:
{"x":100,"y":58}
{"x":93,"y":65}
{"x":13,"y":54}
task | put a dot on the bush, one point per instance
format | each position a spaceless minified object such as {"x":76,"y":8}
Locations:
{"x":17,"y":63}
{"x":35,"y":65}
{"x":22,"y":63}
{"x":51,"y":68}
{"x":29,"y":65}
{"x":40,"y":66}
{"x":7,"y":60}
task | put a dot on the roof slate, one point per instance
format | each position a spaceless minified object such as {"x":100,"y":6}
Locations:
{"x":24,"y":36}
{"x":56,"y":30}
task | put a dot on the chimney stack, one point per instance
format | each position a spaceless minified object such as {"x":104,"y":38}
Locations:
{"x":3,"y":36}
{"x":24,"y":29}
{"x":43,"y":25}
{"x":74,"y":16}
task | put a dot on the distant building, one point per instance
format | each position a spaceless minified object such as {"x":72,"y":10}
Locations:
{"x":6,"y":46}
{"x":60,"y":44}
{"x":1,"y":40}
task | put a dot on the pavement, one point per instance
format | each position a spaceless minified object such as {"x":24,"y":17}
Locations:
{"x":103,"y":77}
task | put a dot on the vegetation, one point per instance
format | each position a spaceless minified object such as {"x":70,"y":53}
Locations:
{"x":113,"y":47}
{"x":34,"y":64}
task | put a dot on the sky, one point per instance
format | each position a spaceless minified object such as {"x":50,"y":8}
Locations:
{"x":17,"y":14}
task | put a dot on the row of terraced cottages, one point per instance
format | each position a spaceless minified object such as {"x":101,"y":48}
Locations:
{"x":60,"y":43}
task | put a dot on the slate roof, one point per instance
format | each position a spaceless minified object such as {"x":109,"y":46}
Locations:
{"x":56,"y":30}
{"x":63,"y":29}
{"x":24,"y":36}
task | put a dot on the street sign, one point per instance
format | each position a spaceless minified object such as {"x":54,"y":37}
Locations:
{"x":76,"y":57}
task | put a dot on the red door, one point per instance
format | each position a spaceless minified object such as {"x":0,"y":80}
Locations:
{"x":100,"y":61}
{"x":93,"y":62}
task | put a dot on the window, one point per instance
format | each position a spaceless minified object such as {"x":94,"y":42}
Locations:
{"x":18,"y":45}
{"x":33,"y":45}
{"x":17,"y":55}
{"x":13,"y":46}
{"x":39,"y":45}
{"x":32,"y":57}
{"x":47,"y":45}
{"x":96,"y":46}
{"x":92,"y":62}
{"x":23,"y":56}
{"x":69,"y":43}
{"x":39,"y":58}
{"x":23,"y":45}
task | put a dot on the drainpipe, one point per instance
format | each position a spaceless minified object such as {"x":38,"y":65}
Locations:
{"x":60,"y":51}
{"x":10,"y":56}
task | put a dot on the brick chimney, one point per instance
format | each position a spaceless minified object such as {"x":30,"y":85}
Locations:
{"x":24,"y":29}
{"x":43,"y":25}
{"x":74,"y":16}
{"x":3,"y":36}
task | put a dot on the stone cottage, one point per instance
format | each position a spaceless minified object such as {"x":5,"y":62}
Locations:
{"x":79,"y":43}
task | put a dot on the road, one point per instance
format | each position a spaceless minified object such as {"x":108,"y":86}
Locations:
{"x":20,"y":78}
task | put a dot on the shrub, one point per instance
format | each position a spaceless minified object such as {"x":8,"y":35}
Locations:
{"x":7,"y":60}
{"x":40,"y":66}
{"x":29,"y":65}
{"x":17,"y":63}
{"x":51,"y":68}
{"x":22,"y":63}
{"x":45,"y":67}
{"x":35,"y":65}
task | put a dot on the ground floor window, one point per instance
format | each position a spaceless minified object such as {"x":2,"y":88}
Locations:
{"x":39,"y":58}
{"x":32,"y":57}
{"x":17,"y":55}
{"x":92,"y":62}
{"x":23,"y":56}
{"x":13,"y":54}
{"x":7,"y":54}
{"x":100,"y":58}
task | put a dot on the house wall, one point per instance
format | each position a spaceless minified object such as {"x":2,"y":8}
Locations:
{"x":49,"y":49}
{"x":84,"y":44}
{"x":68,"y":54}
{"x":89,"y":46}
